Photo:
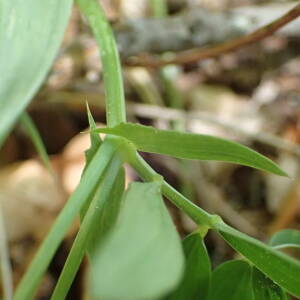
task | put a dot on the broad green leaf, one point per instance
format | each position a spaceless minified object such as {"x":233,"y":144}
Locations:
{"x":266,"y":289}
{"x":191,"y":146}
{"x":287,"y":238}
{"x":36,"y":139}
{"x":142,"y":256}
{"x":231,"y":281}
{"x":196,"y":279}
{"x":86,"y":187}
{"x":30,"y":35}
{"x":89,"y":228}
{"x":282,"y":269}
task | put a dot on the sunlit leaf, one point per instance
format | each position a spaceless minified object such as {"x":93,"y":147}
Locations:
{"x":142,"y":256}
{"x":191,"y":146}
{"x":231,"y":281}
{"x":196,"y":279}
{"x":266,"y":289}
{"x":30,"y":35}
{"x":287,"y":238}
{"x":281,"y":268}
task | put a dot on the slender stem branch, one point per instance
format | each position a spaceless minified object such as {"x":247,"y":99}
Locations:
{"x":89,"y":225}
{"x":6,"y":270}
{"x":113,"y":82}
{"x":159,"y":8}
{"x":36,"y":139}
{"x":214,"y":51}
{"x":91,"y":177}
{"x":196,"y":213}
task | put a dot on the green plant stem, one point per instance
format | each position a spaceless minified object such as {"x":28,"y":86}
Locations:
{"x":90,"y":220}
{"x":196,"y":213}
{"x":6,"y":270}
{"x":90,"y":179}
{"x":113,"y":82}
{"x":159,"y":8}
{"x":36,"y":139}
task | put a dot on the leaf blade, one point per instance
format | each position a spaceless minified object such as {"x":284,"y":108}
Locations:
{"x":231,"y":280}
{"x":39,"y":264}
{"x":287,"y":238}
{"x":30,"y":35}
{"x":266,"y":289}
{"x":191,"y":146}
{"x":37,"y":141}
{"x":282,"y":269}
{"x":196,"y":278}
{"x":153,"y":258}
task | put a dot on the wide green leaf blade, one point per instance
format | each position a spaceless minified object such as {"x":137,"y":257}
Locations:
{"x":30,"y":35}
{"x":196,"y":279}
{"x":142,"y":256}
{"x":266,"y":289}
{"x":287,"y":238}
{"x":281,"y":268}
{"x":191,"y":146}
{"x":231,"y":281}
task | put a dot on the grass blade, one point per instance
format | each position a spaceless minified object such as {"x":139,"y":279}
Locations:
{"x":90,"y":179}
{"x":191,"y":146}
{"x":36,"y":139}
{"x":90,"y":224}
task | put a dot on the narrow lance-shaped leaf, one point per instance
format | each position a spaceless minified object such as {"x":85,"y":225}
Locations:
{"x":36,"y":139}
{"x":287,"y":238}
{"x":191,"y":146}
{"x":282,"y":269}
{"x":30,"y":35}
{"x":86,"y":187}
{"x":196,"y":279}
{"x":94,"y":138}
{"x":265,"y":289}
{"x":142,"y":256}
{"x":231,"y":281}
{"x":87,"y":230}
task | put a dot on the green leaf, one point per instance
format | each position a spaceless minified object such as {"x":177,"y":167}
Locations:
{"x":83,"y":192}
{"x":109,"y":214}
{"x":281,"y":268}
{"x":94,"y":137}
{"x":142,"y":256}
{"x":266,"y":289}
{"x":36,"y":139}
{"x":287,"y":238}
{"x":191,"y":146}
{"x":30,"y":35}
{"x":196,"y":279}
{"x":89,"y":228}
{"x":231,"y":281}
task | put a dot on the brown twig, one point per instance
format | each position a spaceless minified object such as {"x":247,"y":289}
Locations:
{"x":214,"y":51}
